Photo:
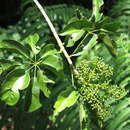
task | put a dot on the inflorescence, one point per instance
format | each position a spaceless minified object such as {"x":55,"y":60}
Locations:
{"x":95,"y":88}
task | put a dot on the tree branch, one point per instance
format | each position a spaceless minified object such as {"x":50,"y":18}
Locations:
{"x":54,"y":32}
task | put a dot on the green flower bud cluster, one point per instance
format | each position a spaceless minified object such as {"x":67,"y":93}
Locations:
{"x":95,"y":88}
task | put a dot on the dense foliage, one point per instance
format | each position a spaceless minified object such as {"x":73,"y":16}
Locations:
{"x":41,"y":90}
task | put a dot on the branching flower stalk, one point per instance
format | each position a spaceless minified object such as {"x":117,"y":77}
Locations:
{"x":95,"y":87}
{"x":54,"y":33}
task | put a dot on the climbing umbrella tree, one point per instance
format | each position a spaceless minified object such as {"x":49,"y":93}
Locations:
{"x":91,"y":88}
{"x":28,"y":69}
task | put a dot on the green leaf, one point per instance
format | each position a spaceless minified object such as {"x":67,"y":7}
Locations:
{"x":10,"y":97}
{"x":48,"y":49}
{"x":6,"y":64}
{"x":124,"y":126}
{"x":23,"y":82}
{"x":122,"y":74}
{"x":15,"y":81}
{"x":125,"y":82}
{"x":35,"y":103}
{"x":83,"y":115}
{"x":89,"y":46}
{"x":1,"y":71}
{"x":75,"y":37}
{"x":75,"y":27}
{"x":15,"y":47}
{"x":66,"y":99}
{"x":70,"y":42}
{"x":69,"y":31}
{"x":96,"y":9}
{"x":122,"y":116}
{"x":112,"y":26}
{"x":11,"y":79}
{"x":109,"y":44}
{"x":121,"y":106}
{"x":108,"y":24}
{"x":43,"y":80}
{"x":32,"y":40}
{"x":53,"y":61}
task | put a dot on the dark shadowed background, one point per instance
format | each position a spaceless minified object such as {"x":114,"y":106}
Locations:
{"x":10,"y":11}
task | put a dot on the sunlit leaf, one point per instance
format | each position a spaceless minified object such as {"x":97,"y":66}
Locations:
{"x":22,"y":82}
{"x":70,"y":42}
{"x":32,"y":40}
{"x":125,"y":82}
{"x":48,"y":49}
{"x":66,"y":99}
{"x":11,"y":80}
{"x":96,"y":9}
{"x":15,"y":81}
{"x":75,"y":37}
{"x":10,"y":97}
{"x":75,"y":27}
{"x":53,"y":61}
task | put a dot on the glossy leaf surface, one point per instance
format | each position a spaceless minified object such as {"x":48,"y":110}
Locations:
{"x":66,"y":99}
{"x":35,"y":101}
